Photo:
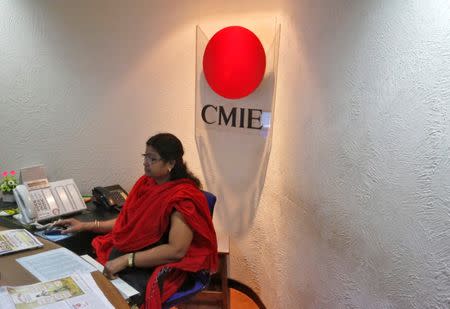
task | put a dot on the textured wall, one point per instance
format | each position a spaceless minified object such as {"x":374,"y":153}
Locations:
{"x":355,"y":212}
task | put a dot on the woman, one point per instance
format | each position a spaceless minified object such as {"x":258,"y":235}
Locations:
{"x":164,"y":231}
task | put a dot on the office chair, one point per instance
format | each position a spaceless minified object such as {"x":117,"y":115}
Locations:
{"x":201,"y":278}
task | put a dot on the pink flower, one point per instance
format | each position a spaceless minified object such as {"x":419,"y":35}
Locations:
{"x":12,"y":173}
{"x":5,"y":173}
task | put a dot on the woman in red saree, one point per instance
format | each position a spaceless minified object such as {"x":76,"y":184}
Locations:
{"x":164,"y":231}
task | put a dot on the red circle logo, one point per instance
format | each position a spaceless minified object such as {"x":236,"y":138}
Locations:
{"x":234,"y":62}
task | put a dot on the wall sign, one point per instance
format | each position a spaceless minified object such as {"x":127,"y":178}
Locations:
{"x":235,"y":99}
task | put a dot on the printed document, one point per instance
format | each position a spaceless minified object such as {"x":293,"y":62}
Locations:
{"x":75,"y":291}
{"x":54,"y":264}
{"x":17,"y":240}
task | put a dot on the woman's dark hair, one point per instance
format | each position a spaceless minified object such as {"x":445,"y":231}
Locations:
{"x":170,"y":148}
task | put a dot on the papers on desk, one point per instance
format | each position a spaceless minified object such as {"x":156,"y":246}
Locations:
{"x":54,"y":264}
{"x":61,"y":262}
{"x":124,"y":288}
{"x":17,"y":240}
{"x":75,"y":291}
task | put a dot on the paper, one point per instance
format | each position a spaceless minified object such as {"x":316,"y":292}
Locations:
{"x":76,"y":291}
{"x":124,"y":288}
{"x":54,"y":264}
{"x":17,"y":240}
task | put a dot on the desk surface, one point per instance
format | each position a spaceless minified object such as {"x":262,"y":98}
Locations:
{"x":12,"y":273}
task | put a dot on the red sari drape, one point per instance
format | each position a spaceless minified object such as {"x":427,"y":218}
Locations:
{"x":145,"y":218}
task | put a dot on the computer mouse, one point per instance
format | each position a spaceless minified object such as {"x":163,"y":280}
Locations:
{"x":54,"y":231}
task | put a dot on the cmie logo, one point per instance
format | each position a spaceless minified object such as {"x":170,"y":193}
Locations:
{"x":234,"y":64}
{"x":246,"y":118}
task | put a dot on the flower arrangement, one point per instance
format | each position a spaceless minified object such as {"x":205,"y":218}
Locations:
{"x":9,"y":182}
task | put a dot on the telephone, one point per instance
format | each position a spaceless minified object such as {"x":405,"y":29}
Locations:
{"x":57,"y":199}
{"x":110,"y":197}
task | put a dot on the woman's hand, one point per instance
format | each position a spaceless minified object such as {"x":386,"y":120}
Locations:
{"x":112,"y":267}
{"x":72,"y":225}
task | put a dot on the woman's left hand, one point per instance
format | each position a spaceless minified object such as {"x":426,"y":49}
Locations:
{"x":112,"y":267}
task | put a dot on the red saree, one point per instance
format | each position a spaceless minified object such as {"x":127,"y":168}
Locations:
{"x":145,"y":218}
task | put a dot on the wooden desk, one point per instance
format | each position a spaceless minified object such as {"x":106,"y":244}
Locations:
{"x":217,"y":293}
{"x":12,"y":273}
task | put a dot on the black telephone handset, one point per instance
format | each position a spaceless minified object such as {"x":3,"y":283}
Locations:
{"x":111,"y":197}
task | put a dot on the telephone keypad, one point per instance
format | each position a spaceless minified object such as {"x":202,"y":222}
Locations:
{"x":39,"y":202}
{"x":117,"y":196}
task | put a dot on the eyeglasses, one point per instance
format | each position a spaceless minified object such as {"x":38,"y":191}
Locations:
{"x":149,"y":159}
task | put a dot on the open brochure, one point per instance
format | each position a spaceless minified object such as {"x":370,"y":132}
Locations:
{"x":75,"y":291}
{"x":17,"y":240}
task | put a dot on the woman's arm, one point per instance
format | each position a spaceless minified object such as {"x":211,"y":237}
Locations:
{"x":180,"y":237}
{"x":74,"y":225}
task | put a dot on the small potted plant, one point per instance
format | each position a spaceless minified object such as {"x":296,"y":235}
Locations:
{"x":7,"y":184}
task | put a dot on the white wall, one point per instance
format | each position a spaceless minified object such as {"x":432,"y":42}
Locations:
{"x":355,"y":212}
